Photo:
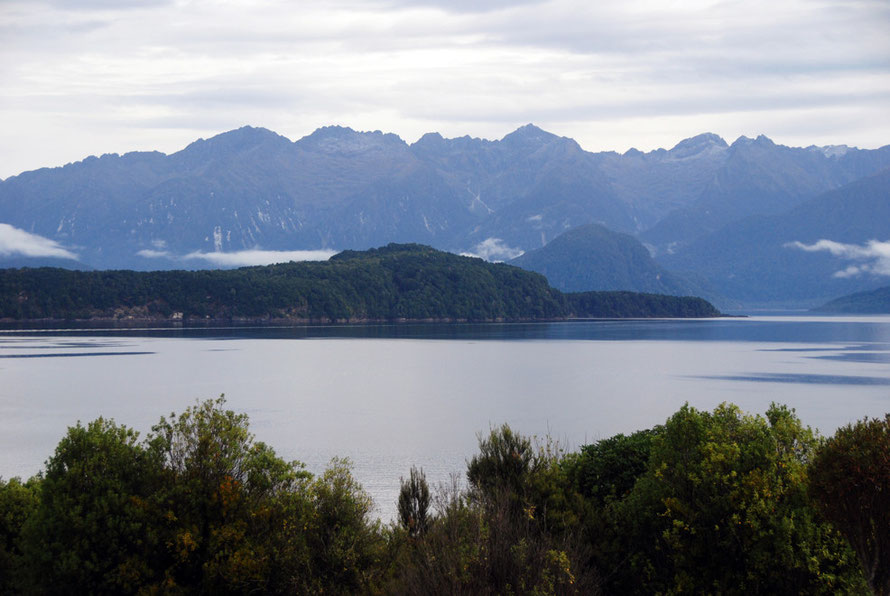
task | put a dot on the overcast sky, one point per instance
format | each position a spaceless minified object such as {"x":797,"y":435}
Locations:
{"x":83,"y":77}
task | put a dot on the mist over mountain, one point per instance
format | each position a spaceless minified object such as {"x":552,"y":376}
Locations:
{"x":338,"y":188}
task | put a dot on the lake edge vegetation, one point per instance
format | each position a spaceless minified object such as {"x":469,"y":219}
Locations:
{"x":709,"y":502}
{"x":398,"y":282}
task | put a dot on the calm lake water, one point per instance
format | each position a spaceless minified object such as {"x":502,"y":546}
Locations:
{"x":388,"y":397}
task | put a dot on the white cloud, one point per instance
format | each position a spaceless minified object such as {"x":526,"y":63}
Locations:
{"x":154,"y":254}
{"x":874,"y":256}
{"x":495,"y":250}
{"x":14,"y":241}
{"x":244,"y":257}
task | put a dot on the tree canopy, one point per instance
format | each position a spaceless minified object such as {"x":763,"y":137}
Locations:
{"x":393,"y":283}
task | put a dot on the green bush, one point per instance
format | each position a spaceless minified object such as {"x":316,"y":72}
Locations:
{"x":850,"y":481}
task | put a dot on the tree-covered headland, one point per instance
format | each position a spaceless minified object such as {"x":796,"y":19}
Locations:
{"x":394,"y":283}
{"x":708,"y":502}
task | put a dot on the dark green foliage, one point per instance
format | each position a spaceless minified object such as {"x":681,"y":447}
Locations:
{"x":607,"y":470}
{"x":345,"y":544}
{"x":94,"y":530}
{"x":850,"y":481}
{"x":396,"y":282}
{"x":504,"y":462}
{"x":722,"y":506}
{"x":200,"y":507}
{"x":414,"y":503}
{"x":711,"y":502}
{"x":512,"y":532}
{"x":18,"y":501}
{"x":633,"y":305}
{"x":221,"y":495}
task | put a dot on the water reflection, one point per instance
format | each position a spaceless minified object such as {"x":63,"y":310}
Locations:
{"x":810,"y":379}
{"x":753,"y":329}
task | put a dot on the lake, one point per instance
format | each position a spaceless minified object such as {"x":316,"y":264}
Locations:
{"x":389,"y":396}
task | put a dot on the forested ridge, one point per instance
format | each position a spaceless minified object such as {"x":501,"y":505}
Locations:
{"x":395,"y":282}
{"x":708,"y":502}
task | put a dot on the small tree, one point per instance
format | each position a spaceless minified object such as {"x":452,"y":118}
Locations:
{"x":414,"y":503}
{"x":503,"y":464}
{"x":231,"y":506}
{"x":850,"y":481}
{"x":345,"y":544}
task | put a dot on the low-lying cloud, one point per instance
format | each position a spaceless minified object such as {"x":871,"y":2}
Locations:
{"x":494,"y":250}
{"x":14,"y":241}
{"x":242,"y":258}
{"x":872,"y":257}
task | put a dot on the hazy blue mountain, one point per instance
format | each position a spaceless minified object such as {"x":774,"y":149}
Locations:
{"x":656,"y":183}
{"x":592,"y":257}
{"x":751,"y":260}
{"x":874,"y":302}
{"x":758,"y":177}
{"x":527,"y":188}
{"x":342,"y":189}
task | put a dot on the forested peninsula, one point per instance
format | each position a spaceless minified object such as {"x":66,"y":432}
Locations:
{"x":398,"y":282}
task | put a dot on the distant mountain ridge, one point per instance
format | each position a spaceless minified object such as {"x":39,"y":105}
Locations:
{"x":342,"y":189}
{"x":338,"y":188}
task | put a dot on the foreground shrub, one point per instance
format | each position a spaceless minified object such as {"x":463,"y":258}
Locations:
{"x":200,"y":507}
{"x":94,"y":529}
{"x":507,"y":533}
{"x":723,"y":507}
{"x":850,"y":481}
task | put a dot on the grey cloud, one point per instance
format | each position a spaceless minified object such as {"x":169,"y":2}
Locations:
{"x":71,"y":69}
{"x":642,"y":106}
{"x":872,"y":258}
{"x":14,"y":241}
{"x":87,"y":5}
{"x":463,"y":6}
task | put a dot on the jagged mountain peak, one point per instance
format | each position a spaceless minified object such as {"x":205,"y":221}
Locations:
{"x":528,"y":135}
{"x":342,"y":139}
{"x":430,"y":138}
{"x":705,"y":142}
{"x":831,"y":150}
{"x":529,"y":139}
{"x":760,"y":141}
{"x":234,"y":141}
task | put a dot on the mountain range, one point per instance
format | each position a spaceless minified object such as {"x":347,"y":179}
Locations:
{"x":341,"y":189}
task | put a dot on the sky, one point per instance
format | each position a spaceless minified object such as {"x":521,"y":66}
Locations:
{"x":87,"y":77}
